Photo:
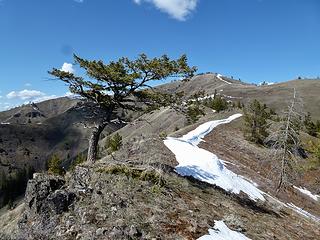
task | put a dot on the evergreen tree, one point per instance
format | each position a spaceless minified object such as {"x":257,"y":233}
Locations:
{"x":219,"y":104}
{"x":310,"y":126}
{"x":194,"y":112}
{"x":121,"y":84}
{"x":255,"y":117}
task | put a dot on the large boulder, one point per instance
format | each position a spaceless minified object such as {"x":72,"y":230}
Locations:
{"x":45,"y":200}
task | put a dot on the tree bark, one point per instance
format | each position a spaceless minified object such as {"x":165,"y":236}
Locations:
{"x":93,"y":142}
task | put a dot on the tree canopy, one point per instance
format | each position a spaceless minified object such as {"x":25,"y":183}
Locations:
{"x":121,"y":84}
{"x":114,"y":84}
{"x":255,"y":116}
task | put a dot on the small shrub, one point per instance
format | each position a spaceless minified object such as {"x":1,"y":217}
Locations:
{"x":149,"y":175}
{"x":54,"y":165}
{"x":163,"y":135}
{"x":314,"y":148}
{"x":114,"y":143}
{"x":313,"y":161}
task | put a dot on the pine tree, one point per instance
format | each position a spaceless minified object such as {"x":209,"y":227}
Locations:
{"x":255,"y":116}
{"x":194,"y":112}
{"x":310,"y":126}
{"x":219,"y":104}
{"x":121,"y":84}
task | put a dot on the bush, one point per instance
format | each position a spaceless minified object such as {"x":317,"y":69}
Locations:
{"x":163,"y":135}
{"x":54,"y":165}
{"x":150,"y":175}
{"x":314,"y":148}
{"x":114,"y":143}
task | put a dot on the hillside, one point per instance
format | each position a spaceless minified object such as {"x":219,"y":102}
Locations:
{"x":136,"y":194}
{"x":31,"y":134}
{"x":37,"y":112}
{"x":165,"y":182}
{"x":276,"y":96}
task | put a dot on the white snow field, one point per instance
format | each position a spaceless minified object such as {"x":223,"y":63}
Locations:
{"x":308,"y":193}
{"x":221,"y":232}
{"x":206,"y":166}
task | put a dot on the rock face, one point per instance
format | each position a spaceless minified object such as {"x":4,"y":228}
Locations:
{"x":45,"y":200}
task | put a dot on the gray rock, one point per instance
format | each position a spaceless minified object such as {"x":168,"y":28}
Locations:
{"x":100,"y":231}
{"x":45,"y":200}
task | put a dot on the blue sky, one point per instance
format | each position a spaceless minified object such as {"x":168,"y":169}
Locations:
{"x":255,"y":40}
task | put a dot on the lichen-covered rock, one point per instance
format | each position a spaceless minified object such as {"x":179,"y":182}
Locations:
{"x":45,"y":200}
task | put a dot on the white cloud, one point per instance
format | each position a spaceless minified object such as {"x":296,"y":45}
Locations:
{"x":178,"y":9}
{"x":25,"y":94}
{"x":67,"y":67}
{"x":79,"y":1}
{"x":27,"y":85}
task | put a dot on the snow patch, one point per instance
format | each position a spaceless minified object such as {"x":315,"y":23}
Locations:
{"x":308,"y":193}
{"x":221,"y":232}
{"x":303,"y":212}
{"x":266,"y":83}
{"x":206,"y":166}
{"x":226,"y":96}
{"x":219,"y":76}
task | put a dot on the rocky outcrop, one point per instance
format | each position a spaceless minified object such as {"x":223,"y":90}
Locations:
{"x":45,"y":199}
{"x":122,"y":200}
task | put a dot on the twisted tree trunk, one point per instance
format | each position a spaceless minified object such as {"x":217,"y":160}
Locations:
{"x":93,"y":142}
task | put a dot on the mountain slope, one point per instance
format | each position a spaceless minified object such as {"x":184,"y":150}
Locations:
{"x":276,"y":96}
{"x":137,"y":193}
